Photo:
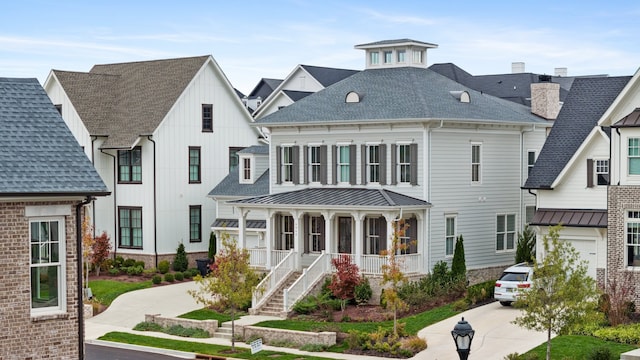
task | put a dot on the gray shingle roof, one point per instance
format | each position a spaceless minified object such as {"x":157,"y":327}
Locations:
{"x":126,"y":100}
{"x":404,"y":93}
{"x":588,"y":100}
{"x":328,"y":76}
{"x":343,"y":197}
{"x":231,"y":186}
{"x":296,"y":95}
{"x":39,"y":154}
{"x":233,"y":224}
{"x":264,"y":88}
{"x":255,"y":149}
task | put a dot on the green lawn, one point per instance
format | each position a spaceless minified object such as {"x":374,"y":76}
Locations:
{"x":200,"y":348}
{"x":105,"y":291}
{"x":207,"y":314}
{"x":575,"y":347}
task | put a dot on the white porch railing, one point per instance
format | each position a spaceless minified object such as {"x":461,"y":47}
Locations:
{"x":372,"y":264}
{"x":309,"y":278}
{"x":278,"y":255}
{"x":257,"y":257}
{"x":271,"y":282}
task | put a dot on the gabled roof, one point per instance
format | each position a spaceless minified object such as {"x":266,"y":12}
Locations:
{"x":403,"y":93}
{"x":296,"y":95}
{"x":231,"y":186}
{"x":126,"y":100}
{"x":328,"y":76}
{"x":255,"y":149}
{"x":264,"y":88}
{"x":586,"y":103}
{"x":337,"y":197}
{"x":39,"y":154}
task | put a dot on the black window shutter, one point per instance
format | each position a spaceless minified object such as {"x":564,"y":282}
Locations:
{"x":394,"y":171}
{"x":382,"y":241}
{"x":278,"y":237}
{"x":323,"y":236}
{"x":589,"y":173}
{"x":323,"y":164}
{"x":352,"y":164}
{"x":363,"y":164}
{"x":334,"y":171}
{"x":306,"y":233}
{"x":296,"y":164}
{"x":414,"y":163}
{"x":278,"y":164}
{"x":382,"y":148}
{"x":306,"y":164}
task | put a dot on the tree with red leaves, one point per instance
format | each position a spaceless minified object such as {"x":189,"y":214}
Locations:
{"x":100,"y":250}
{"x":345,"y":279}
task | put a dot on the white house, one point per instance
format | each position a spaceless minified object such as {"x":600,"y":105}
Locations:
{"x":161,"y":134}
{"x":396,"y":140}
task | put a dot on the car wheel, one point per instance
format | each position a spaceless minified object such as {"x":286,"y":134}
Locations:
{"x":505,"y":303}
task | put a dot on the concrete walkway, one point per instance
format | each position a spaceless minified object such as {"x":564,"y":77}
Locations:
{"x":495,"y":336}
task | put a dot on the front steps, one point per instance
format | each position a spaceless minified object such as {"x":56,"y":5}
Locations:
{"x":274,"y":306}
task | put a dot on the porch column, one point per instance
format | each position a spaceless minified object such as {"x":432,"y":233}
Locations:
{"x":242,"y":241}
{"x":422,"y":246}
{"x":390,"y":218}
{"x":359,"y":218}
{"x":328,"y":236}
{"x":297,"y":238}
{"x":269,"y":237}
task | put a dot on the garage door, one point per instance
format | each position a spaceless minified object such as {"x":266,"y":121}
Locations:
{"x":587,"y":251}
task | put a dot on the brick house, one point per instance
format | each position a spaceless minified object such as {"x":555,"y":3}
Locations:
{"x":45,"y":180}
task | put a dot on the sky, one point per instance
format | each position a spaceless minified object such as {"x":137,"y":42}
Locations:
{"x":251,"y":40}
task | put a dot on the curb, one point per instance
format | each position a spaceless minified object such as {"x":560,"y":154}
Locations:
{"x":147,"y":349}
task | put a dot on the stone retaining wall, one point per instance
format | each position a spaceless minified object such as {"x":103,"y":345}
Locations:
{"x":209,"y":326}
{"x":299,"y":338}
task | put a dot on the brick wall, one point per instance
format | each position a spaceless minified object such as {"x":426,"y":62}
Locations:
{"x":619,"y":199}
{"x":23,"y":336}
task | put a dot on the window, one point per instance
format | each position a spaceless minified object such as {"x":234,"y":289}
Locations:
{"x":234,"y":158}
{"x":130,"y":165}
{"x":634,"y":156}
{"x":207,"y":118}
{"x":633,"y":238}
{"x":287,"y":164}
{"x":373,"y":227}
{"x":476,"y":159}
{"x":373,"y":163}
{"x":315,"y":233}
{"x":59,"y":108}
{"x":194,"y":165}
{"x":246,"y":169}
{"x":505,"y":232}
{"x":602,"y":172}
{"x":343,"y":163}
{"x":287,"y":232}
{"x":47,"y":270}
{"x":374,"y":58}
{"x":130,"y":222}
{"x":531,"y":160}
{"x":314,"y":163}
{"x":401,"y":54}
{"x":417,"y":57}
{"x":388,"y":57}
{"x":449,"y":235}
{"x":195,"y":223}
{"x":404,"y":163}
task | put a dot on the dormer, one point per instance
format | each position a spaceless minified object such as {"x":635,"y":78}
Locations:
{"x":396,"y":53}
{"x":252,"y":162}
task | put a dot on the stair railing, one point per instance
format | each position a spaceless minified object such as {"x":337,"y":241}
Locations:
{"x":309,"y":278}
{"x":273,"y":280}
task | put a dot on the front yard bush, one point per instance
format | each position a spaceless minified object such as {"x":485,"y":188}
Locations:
{"x":156,"y":279}
{"x":624,"y":334}
{"x":163,"y":266}
{"x":179,"y":276}
{"x":480,"y":292}
{"x":169,"y":277}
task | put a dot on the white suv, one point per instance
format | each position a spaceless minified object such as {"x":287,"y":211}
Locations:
{"x":514,"y":279}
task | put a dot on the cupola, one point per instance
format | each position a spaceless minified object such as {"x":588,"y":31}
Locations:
{"x":396,"y":53}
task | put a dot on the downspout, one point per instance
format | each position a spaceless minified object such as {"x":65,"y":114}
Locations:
{"x":93,"y":161}
{"x":522,"y":210}
{"x":79,"y":275}
{"x":155,"y":201}
{"x":115,"y":206}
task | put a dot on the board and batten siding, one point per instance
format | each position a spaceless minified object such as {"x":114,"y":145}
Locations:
{"x":475,"y":206}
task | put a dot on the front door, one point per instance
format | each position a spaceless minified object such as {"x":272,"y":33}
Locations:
{"x":344,"y":235}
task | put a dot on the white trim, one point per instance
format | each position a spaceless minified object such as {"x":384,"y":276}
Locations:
{"x":47,"y":210}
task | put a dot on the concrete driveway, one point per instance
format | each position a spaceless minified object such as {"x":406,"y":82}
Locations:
{"x":495,"y":336}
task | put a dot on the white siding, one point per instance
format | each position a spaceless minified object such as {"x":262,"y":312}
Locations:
{"x":590,"y":243}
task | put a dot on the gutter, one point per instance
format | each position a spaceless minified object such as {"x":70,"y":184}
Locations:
{"x":79,"y":290}
{"x":155,"y":201}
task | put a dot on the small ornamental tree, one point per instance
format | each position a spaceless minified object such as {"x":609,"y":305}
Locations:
{"x":458,"y":265}
{"x":344,"y":280}
{"x":526,"y":248}
{"x":100,"y":251}
{"x":180,"y":261}
{"x":392,"y":273}
{"x":231,"y":281}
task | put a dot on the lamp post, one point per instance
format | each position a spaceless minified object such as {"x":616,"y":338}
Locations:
{"x":463,"y":335}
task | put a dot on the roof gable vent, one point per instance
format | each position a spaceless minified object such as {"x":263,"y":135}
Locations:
{"x":352,"y":97}
{"x":462,"y":96}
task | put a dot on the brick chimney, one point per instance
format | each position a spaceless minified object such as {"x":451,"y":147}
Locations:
{"x":545,"y":98}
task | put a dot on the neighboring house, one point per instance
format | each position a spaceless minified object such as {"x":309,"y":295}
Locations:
{"x":161,"y":134}
{"x":396,"y":140}
{"x":571,"y":174}
{"x":260,"y":92}
{"x":301,"y":82}
{"x":45,"y":180}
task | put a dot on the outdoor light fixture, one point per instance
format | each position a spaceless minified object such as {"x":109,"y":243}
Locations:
{"x":463,"y":335}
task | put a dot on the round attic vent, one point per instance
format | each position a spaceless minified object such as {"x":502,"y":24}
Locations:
{"x":352,"y":97}
{"x":462,"y":96}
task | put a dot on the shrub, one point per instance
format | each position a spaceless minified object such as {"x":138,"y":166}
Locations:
{"x":526,"y":248}
{"x":414,"y":343}
{"x":460,"y":305}
{"x":458,"y":266}
{"x":344,"y":279}
{"x":129,"y":263}
{"x":163,"y":266}
{"x":383,"y":300}
{"x":307,"y":305}
{"x":140,"y":263}
{"x":134,"y":270}
{"x":118,"y":262}
{"x":156,"y":279}
{"x":149,"y":272}
{"x":313,"y":347}
{"x":480,"y":292}
{"x":148,"y":326}
{"x":180,"y":262}
{"x":114,"y":272}
{"x":179,"y":330}
{"x":624,"y":334}
{"x":169,"y":277}
{"x":179,"y":276}
{"x":601,"y":353}
{"x":362,"y":292}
